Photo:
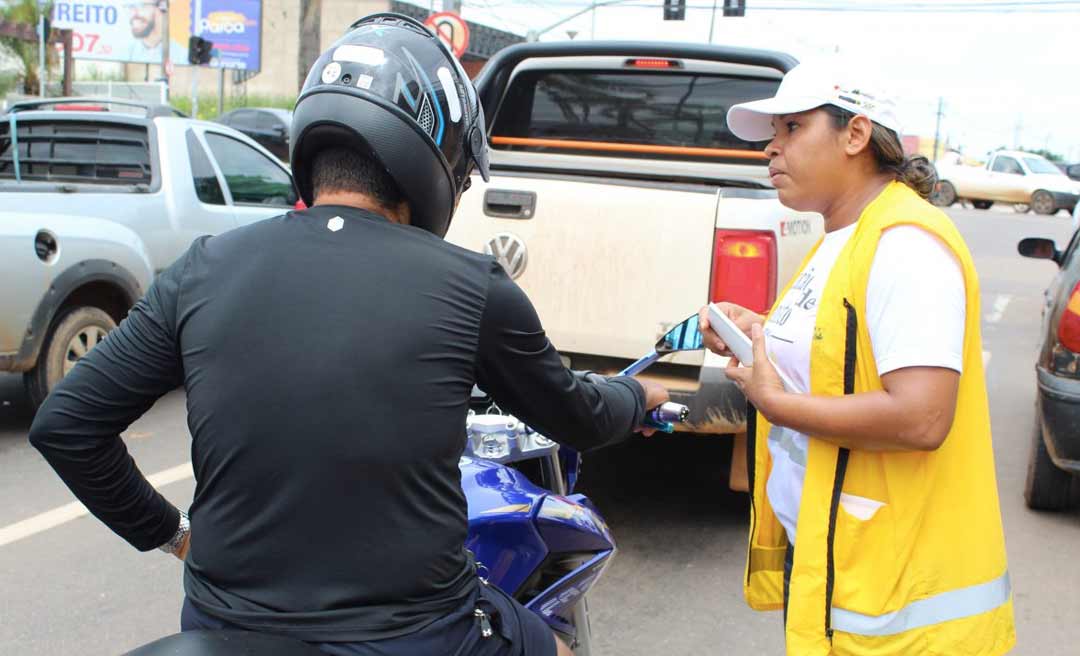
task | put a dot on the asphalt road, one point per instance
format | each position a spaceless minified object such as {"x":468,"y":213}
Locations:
{"x":675,"y":586}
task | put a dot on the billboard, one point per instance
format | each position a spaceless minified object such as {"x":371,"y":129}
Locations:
{"x":233,"y":26}
{"x":134,"y":30}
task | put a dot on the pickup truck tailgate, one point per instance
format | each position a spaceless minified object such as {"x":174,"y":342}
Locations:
{"x":607,"y":265}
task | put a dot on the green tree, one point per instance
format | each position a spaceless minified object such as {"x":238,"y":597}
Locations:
{"x":26,"y":53}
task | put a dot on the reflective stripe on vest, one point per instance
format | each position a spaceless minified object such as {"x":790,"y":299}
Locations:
{"x":786,"y":442}
{"x":944,"y":607}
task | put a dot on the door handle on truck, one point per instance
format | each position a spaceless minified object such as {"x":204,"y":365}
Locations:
{"x":509,"y":204}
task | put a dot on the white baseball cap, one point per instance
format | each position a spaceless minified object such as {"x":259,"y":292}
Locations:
{"x":808,"y":86}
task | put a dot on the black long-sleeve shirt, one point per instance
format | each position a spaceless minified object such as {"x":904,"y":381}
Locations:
{"x":328,"y":374}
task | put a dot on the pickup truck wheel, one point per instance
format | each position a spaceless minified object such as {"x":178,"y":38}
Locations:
{"x":1042,"y":202}
{"x":944,"y":194}
{"x":982,"y":204}
{"x":72,"y":335}
{"x":1047,"y":487}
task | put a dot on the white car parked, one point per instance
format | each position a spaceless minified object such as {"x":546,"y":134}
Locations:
{"x":1009,"y":177}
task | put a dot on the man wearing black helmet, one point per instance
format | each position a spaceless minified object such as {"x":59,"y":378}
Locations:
{"x":328,"y":356}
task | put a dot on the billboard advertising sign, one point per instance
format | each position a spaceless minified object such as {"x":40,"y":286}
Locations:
{"x":134,"y":30}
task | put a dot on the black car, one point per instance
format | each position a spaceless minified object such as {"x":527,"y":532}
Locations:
{"x":1054,"y":464}
{"x":267,"y":125}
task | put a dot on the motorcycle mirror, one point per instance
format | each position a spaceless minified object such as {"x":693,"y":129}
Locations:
{"x":686,"y":336}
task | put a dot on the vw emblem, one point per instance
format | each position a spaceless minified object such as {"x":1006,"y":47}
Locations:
{"x":510,"y":252}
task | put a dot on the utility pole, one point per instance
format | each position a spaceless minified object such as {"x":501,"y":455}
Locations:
{"x":196,"y":30}
{"x":1017,"y":131}
{"x":42,"y":73}
{"x":937,"y":130}
{"x":166,"y":65}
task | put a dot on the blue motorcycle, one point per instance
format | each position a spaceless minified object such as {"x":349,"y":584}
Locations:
{"x":531,"y":535}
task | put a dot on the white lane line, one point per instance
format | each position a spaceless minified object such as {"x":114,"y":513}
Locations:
{"x":1000,"y":303}
{"x":986,"y":360}
{"x":66,"y":513}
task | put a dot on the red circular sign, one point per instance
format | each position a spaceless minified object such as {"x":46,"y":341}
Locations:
{"x":452,"y":29}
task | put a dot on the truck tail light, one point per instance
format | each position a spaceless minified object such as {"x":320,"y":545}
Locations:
{"x":79,"y":108}
{"x":653,"y":63}
{"x":1069,"y":326}
{"x":744,"y":269}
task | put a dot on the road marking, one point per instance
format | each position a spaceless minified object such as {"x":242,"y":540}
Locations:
{"x":66,"y":513}
{"x":986,"y":359}
{"x":1000,"y":303}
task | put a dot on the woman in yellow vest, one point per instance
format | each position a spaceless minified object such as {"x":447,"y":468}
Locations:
{"x":875,"y":522}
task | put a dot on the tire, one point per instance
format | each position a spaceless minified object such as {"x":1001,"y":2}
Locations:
{"x":944,"y":194}
{"x":1047,"y":487}
{"x":982,"y":204}
{"x":73,"y":333}
{"x":1043,"y":202}
{"x":1021,"y":208}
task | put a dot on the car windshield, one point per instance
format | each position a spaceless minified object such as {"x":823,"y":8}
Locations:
{"x":1040,"y":165}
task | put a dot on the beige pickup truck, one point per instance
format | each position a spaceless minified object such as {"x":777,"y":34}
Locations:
{"x":621,"y":203}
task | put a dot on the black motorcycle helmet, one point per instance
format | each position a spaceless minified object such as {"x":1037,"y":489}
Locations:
{"x":391,"y":89}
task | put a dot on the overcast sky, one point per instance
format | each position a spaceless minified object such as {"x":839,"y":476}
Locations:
{"x":1003,"y":73}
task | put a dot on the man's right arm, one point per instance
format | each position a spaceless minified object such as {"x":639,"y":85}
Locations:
{"x":521,"y":369}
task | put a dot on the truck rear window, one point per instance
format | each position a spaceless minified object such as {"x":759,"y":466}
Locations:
{"x":644,"y":114}
{"x":76,"y":151}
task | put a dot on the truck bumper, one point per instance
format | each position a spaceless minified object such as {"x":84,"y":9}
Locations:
{"x":716,"y":406}
{"x":1058,"y":410}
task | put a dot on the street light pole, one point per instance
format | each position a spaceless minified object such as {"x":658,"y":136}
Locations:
{"x":712,"y":21}
{"x":163,"y":5}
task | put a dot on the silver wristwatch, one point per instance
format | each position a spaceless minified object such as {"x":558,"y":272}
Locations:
{"x":173,"y":545}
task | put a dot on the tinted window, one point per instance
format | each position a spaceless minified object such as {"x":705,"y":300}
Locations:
{"x":243,"y":119}
{"x":630,"y":108}
{"x":207,"y":187}
{"x":267,"y":121}
{"x":1007,"y":165}
{"x":253,"y":179}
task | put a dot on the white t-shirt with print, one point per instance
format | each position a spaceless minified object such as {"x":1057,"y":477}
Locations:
{"x":915,"y":312}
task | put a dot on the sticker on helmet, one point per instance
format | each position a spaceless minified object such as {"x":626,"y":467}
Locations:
{"x":331,"y":73}
{"x":360,"y":55}
{"x":364,"y":81}
{"x":450,"y":89}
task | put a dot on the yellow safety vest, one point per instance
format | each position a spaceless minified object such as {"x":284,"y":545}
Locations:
{"x":926,"y":573}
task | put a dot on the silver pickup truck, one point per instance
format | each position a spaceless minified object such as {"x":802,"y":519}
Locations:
{"x":96,"y":197}
{"x":621,"y":202}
